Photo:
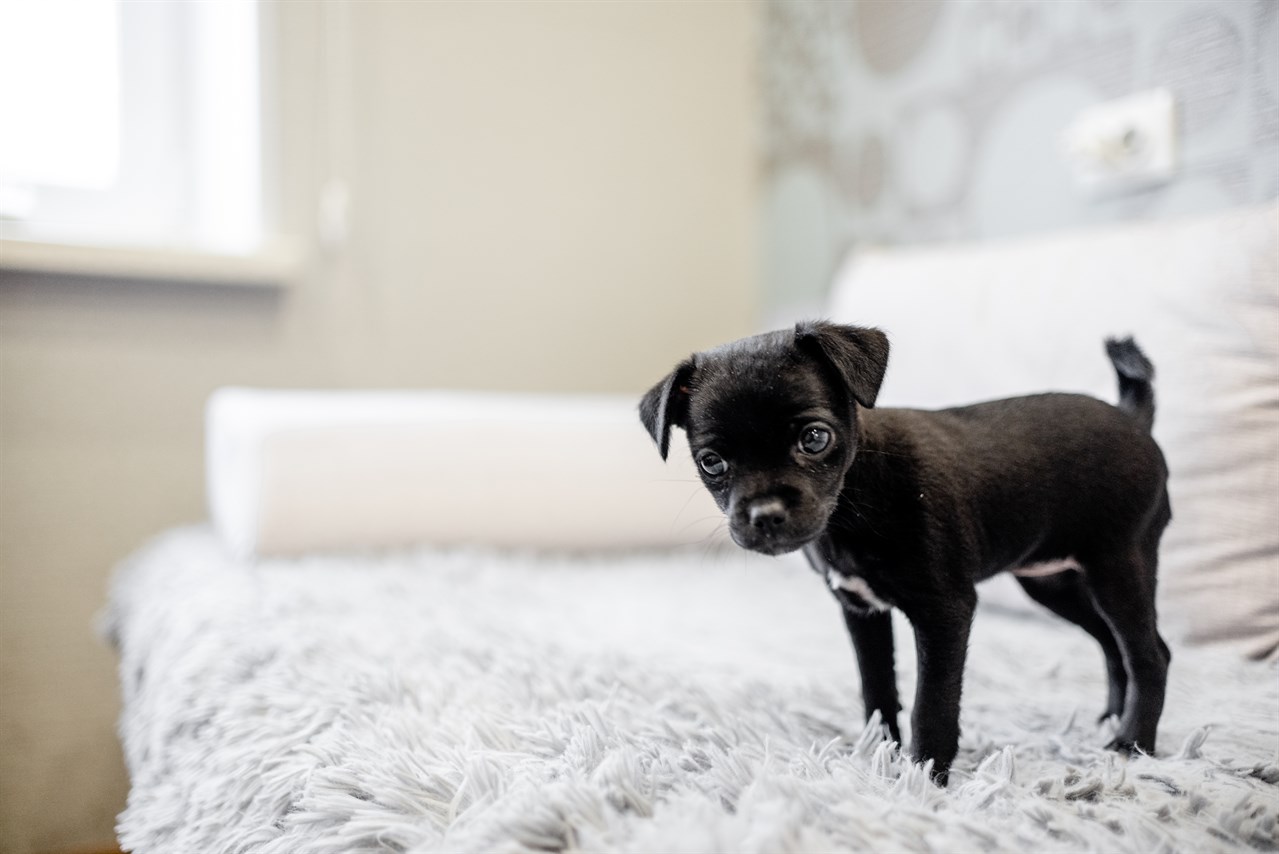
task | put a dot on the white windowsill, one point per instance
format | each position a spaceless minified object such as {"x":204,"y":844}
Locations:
{"x":276,"y":265}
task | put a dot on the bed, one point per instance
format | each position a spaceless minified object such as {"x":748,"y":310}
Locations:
{"x":320,"y":668}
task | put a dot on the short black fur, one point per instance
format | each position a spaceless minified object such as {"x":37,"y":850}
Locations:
{"x":910,"y":509}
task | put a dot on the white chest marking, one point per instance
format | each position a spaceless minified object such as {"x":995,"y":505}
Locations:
{"x":1048,"y":567}
{"x":856,"y":584}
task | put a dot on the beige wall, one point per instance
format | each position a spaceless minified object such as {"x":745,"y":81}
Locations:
{"x":545,"y":196}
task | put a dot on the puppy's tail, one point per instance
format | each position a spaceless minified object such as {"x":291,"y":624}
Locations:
{"x":1136,"y":373}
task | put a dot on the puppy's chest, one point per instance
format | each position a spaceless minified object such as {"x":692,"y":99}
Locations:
{"x":851,"y":580}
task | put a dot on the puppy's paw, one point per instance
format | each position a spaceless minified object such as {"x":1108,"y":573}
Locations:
{"x":938,"y":774}
{"x":1126,"y":746}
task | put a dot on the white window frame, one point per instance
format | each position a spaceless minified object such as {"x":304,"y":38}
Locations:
{"x":190,"y":201}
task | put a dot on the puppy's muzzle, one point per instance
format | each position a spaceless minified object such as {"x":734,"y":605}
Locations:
{"x":767,"y":515}
{"x":769,"y":525}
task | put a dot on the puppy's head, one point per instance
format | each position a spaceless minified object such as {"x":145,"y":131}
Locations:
{"x":772,"y":424}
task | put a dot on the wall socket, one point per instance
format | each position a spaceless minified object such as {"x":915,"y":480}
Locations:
{"x":1123,"y":145}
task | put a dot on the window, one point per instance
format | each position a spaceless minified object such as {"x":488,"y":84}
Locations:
{"x":131,"y":123}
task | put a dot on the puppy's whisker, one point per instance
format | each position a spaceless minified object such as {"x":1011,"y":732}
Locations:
{"x":863,"y":512}
{"x":693,"y":523}
{"x":684,"y":506}
{"x":881,"y":452}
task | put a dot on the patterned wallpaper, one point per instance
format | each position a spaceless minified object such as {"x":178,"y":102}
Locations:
{"x":907,"y":121}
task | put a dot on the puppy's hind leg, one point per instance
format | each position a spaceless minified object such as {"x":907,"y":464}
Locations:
{"x":1065,"y":594}
{"x":1123,"y":589}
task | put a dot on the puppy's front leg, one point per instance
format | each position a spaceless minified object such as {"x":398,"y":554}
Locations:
{"x":941,"y":642}
{"x":872,"y":636}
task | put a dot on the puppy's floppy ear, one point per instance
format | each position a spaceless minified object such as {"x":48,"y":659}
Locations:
{"x":666,"y":405}
{"x":858,"y":354}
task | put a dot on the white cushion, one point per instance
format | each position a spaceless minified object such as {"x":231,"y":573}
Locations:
{"x":299,"y":471}
{"x":1202,"y":299}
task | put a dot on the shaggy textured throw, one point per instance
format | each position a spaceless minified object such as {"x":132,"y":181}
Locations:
{"x":465,"y":701}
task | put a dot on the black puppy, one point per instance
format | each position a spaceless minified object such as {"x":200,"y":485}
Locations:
{"x":910,"y":509}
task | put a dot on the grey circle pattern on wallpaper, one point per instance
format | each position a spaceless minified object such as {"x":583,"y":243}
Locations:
{"x":890,"y":34}
{"x":1200,"y":57}
{"x":861,"y":168}
{"x":872,"y":170}
{"x":1019,"y":183}
{"x":921,"y":120}
{"x":936,"y":136}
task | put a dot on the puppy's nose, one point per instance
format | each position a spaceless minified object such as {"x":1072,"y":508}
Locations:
{"x":767,"y":514}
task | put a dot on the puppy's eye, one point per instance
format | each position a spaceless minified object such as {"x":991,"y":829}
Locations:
{"x":814,"y":439}
{"x":712,"y":463}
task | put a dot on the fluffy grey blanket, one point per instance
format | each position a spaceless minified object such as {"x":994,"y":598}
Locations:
{"x":466,"y":701}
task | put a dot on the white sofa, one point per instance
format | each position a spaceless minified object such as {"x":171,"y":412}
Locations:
{"x":424,"y":622}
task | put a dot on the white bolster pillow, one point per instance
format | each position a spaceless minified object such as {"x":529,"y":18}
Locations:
{"x":300,"y":471}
